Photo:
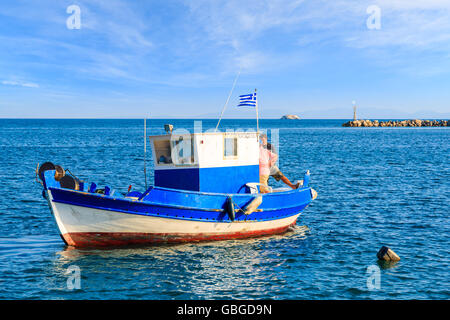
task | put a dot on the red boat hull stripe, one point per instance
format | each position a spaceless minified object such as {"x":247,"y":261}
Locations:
{"x":95,"y":239}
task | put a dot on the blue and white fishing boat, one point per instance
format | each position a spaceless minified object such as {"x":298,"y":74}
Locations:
{"x":205,"y":188}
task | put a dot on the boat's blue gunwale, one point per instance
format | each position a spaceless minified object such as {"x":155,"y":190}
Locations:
{"x":230,"y":194}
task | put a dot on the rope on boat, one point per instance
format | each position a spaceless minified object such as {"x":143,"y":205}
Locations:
{"x":68,"y":170}
{"x":231,"y":204}
{"x":239,"y":208}
{"x":37,"y":173}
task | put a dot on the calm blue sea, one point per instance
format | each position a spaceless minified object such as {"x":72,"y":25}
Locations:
{"x":376,"y":186}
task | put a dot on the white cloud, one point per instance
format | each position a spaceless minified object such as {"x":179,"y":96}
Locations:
{"x":234,"y":26}
{"x":118,"y":22}
{"x":410,"y":30}
{"x":408,"y":4}
{"x":111,"y":42}
{"x":410,"y":24}
{"x":20,"y":84}
{"x":405,"y":22}
{"x":123,"y":40}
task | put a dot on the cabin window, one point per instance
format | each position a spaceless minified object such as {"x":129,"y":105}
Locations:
{"x":230,"y":147}
{"x":162,"y":151}
{"x":183,"y":151}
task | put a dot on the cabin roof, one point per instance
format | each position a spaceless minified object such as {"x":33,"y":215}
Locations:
{"x":204,"y":133}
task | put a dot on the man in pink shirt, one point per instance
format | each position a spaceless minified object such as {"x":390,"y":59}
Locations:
{"x":267,"y":167}
{"x":266,"y":160}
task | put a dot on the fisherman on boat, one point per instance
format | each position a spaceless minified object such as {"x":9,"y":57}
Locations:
{"x":266,"y":160}
{"x":274,"y":171}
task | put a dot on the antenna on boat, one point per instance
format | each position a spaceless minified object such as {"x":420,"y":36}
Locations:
{"x":229,"y":96}
{"x":257,"y":121}
{"x":145,"y":151}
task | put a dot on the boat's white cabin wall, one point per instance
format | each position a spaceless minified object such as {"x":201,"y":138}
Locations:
{"x":205,"y":150}
{"x":227,"y":149}
{"x":209,"y":162}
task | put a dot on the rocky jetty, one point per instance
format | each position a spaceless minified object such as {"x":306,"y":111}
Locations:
{"x":290,"y":117}
{"x":398,"y":123}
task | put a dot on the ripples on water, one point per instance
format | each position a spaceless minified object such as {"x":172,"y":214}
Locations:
{"x":377,"y":186}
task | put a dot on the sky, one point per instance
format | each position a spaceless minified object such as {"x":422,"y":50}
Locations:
{"x":179,"y":59}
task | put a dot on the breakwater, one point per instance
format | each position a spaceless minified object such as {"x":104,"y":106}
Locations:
{"x":397,"y":123}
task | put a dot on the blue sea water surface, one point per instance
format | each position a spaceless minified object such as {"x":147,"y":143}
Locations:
{"x":376,"y":186}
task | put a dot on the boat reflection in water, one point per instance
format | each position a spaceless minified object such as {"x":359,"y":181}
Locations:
{"x":225,"y":269}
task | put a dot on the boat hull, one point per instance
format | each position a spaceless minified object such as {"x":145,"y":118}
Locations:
{"x":83,"y":226}
{"x":163,"y":215}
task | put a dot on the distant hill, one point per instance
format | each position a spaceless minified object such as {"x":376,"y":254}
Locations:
{"x":314,"y":113}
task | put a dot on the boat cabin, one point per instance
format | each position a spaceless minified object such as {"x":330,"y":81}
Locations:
{"x":219,"y":162}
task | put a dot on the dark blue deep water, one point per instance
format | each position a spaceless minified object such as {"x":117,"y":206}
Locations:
{"x":376,"y":186}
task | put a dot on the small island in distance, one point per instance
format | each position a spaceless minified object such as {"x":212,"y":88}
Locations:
{"x":290,"y":117}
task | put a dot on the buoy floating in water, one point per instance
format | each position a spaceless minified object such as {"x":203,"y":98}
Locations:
{"x":387,"y":254}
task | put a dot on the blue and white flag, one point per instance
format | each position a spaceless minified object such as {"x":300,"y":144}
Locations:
{"x":247,"y":100}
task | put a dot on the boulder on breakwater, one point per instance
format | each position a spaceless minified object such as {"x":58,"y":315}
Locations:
{"x":398,"y":123}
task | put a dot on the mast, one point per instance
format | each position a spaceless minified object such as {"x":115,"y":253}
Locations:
{"x":145,"y":151}
{"x":228,"y":99}
{"x":257,"y":120}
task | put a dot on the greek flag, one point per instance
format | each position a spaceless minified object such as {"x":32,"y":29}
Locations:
{"x":247,"y":100}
